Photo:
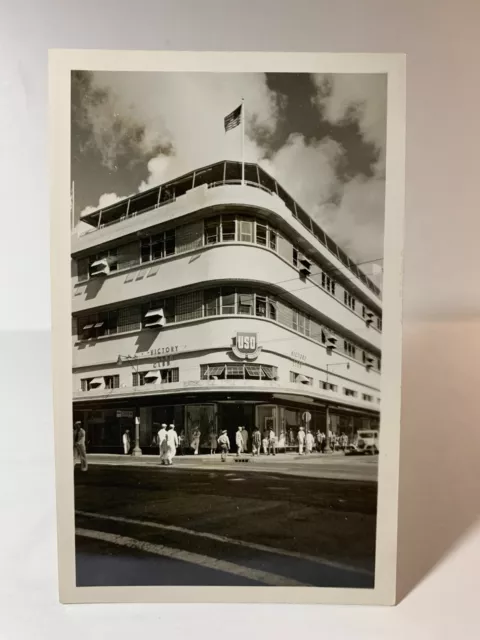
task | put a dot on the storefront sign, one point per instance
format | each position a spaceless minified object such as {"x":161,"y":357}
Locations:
{"x":245,"y":346}
{"x":161,"y":351}
{"x":124,"y":414}
{"x":299,"y":357}
{"x":162,"y":362}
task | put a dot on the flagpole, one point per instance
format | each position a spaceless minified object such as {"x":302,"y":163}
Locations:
{"x":243,"y":141}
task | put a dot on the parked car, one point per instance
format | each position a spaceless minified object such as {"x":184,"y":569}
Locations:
{"x":365,"y":443}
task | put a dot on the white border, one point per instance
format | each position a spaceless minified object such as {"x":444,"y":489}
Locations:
{"x":61,"y":63}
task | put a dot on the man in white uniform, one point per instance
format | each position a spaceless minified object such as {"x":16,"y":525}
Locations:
{"x":126,"y":442}
{"x":172,"y":443}
{"x":79,"y":448}
{"x":162,"y":445}
{"x":301,"y":440}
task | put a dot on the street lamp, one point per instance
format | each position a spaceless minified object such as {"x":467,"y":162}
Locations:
{"x":120,"y":360}
{"x":337,"y":364}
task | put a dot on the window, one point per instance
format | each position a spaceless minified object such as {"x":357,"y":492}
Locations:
{"x":238,"y":372}
{"x":328,"y":386}
{"x":367,"y":397}
{"x":105,"y":382}
{"x":272,"y":309}
{"x":109,"y":323}
{"x":379,"y":324}
{"x":349,"y":300}
{"x":349,"y":348}
{"x":228,"y":228}
{"x":102,"y":263}
{"x":246,"y":230}
{"x":364,"y":311}
{"x":245,"y":303}
{"x":328,"y":283}
{"x":295,"y":257}
{"x":189,"y":306}
{"x":157,"y":376}
{"x":261,"y":306}
{"x":82,"y":269}
{"x":261,"y":234}
{"x":166,"y":304}
{"x":350,"y":392}
{"x":157,"y":246}
{"x":273,"y":240}
{"x":212,"y":302}
{"x":228,"y":300}
{"x":300,"y":378}
{"x":235,"y":371}
{"x":128,"y":319}
{"x":212,"y":230}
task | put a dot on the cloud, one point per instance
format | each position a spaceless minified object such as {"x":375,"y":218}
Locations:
{"x":179,"y":123}
{"x":105,"y":200}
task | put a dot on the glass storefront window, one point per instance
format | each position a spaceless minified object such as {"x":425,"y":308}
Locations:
{"x":199,"y":423}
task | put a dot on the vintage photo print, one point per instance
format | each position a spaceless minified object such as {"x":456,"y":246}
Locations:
{"x":226,"y":278}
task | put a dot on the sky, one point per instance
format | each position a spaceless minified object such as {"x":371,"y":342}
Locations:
{"x":321,"y":136}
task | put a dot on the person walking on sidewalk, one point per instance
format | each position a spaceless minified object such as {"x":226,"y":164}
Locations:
{"x":79,"y":448}
{"x":309,"y":442}
{"x":239,"y":441}
{"x":224,"y":443}
{"x":265,"y":442}
{"x":245,"y":439}
{"x":162,"y":446}
{"x":213,"y":442}
{"x":171,"y":440}
{"x":301,"y":440}
{"x":195,"y":443}
{"x":126,"y":442}
{"x":272,"y":442}
{"x":256,"y":441}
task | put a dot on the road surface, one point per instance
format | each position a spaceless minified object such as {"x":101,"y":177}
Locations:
{"x":203,"y":525}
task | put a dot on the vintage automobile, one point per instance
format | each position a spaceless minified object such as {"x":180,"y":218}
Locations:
{"x":365,"y":444}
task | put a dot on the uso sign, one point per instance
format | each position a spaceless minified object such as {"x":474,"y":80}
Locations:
{"x":245,"y":346}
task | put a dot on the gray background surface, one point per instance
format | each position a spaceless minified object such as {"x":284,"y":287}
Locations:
{"x":440,"y":437}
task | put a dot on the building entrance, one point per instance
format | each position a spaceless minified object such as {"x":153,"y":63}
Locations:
{"x":233,"y":415}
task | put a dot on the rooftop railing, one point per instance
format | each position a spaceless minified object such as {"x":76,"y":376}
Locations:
{"x":216,"y":175}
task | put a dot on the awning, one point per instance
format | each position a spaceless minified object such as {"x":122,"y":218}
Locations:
{"x":152,"y":375}
{"x":216,"y":370}
{"x":100,"y":263}
{"x":303,"y":379}
{"x":153,"y":313}
{"x":253,"y":370}
{"x":269,"y":372}
{"x":160,"y":322}
{"x":293,"y":398}
{"x":97,"y":382}
{"x":87,"y":326}
{"x":98,"y":325}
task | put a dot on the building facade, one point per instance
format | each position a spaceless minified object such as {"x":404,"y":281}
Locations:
{"x":212,"y":303}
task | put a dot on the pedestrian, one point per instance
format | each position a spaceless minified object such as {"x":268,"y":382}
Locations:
{"x":245,"y":439}
{"x":126,"y":442}
{"x":318,"y":441}
{"x":79,"y":447}
{"x":323,"y":443}
{"x":181,"y":443}
{"x":213,"y":442}
{"x":265,"y":442}
{"x":224,"y":443}
{"x":256,"y":441}
{"x":171,"y":440}
{"x":309,"y":441}
{"x":301,"y":440}
{"x":239,"y":441}
{"x":291,"y":438}
{"x":195,"y":442}
{"x":272,"y":442}
{"x":281,"y":444}
{"x":162,"y":447}
{"x":333,"y":442}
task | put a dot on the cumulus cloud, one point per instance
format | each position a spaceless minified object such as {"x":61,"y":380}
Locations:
{"x":105,"y":200}
{"x":176,"y":124}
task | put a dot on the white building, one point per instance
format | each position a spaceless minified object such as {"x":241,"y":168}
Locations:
{"x":211,"y":304}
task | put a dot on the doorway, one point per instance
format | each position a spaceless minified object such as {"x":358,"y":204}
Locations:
{"x":232,"y":415}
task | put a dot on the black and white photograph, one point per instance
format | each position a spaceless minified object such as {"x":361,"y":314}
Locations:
{"x":227,"y":263}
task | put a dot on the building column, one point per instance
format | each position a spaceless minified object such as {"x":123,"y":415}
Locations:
{"x":137,"y":451}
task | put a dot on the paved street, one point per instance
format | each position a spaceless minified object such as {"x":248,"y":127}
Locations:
{"x":268,"y":522}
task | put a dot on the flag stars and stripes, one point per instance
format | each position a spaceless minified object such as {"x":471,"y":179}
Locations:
{"x":233,"y":119}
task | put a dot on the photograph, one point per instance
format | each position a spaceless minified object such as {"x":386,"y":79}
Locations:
{"x":227,"y":281}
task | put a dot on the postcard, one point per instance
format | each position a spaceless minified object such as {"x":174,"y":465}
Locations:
{"x":227,"y":237}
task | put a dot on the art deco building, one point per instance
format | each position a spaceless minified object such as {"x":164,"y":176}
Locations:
{"x":212,"y":303}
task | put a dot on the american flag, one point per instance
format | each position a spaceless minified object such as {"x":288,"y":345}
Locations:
{"x":233,"y":119}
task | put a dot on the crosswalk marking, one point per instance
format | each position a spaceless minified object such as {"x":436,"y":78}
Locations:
{"x":227,"y":540}
{"x":257,"y":575}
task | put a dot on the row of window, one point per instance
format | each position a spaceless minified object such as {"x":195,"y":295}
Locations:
{"x":215,"y":302}
{"x":300,"y":378}
{"x":223,"y":371}
{"x":224,"y":228}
